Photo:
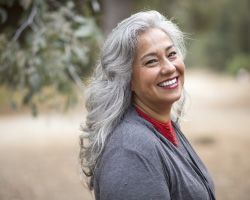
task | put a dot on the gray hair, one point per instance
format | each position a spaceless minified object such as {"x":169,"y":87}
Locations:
{"x":108,"y":95}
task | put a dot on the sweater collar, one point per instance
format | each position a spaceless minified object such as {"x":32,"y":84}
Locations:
{"x":165,"y":128}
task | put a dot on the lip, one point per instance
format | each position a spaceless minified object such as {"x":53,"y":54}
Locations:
{"x":169,"y":79}
{"x":171,"y":86}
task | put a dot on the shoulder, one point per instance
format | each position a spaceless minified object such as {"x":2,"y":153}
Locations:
{"x":130,"y":163}
{"x":134,"y":133}
{"x":131,"y":140}
{"x":126,"y":174}
{"x":129,"y":167}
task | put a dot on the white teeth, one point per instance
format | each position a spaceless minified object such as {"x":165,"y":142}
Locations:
{"x":167,"y":83}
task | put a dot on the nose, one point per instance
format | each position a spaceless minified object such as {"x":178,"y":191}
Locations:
{"x":167,"y":67}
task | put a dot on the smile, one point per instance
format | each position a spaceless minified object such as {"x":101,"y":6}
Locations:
{"x":172,"y":83}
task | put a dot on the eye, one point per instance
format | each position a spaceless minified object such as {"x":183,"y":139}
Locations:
{"x":172,"y":54}
{"x":150,"y":62}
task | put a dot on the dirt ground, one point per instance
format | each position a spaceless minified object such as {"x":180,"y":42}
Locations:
{"x":39,"y":156}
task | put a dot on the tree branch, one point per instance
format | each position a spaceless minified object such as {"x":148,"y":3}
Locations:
{"x":25,"y":24}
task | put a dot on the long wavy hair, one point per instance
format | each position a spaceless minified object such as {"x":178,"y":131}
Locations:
{"x":109,"y":95}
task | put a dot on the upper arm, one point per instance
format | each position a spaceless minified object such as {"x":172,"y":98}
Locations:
{"x":126,"y":174}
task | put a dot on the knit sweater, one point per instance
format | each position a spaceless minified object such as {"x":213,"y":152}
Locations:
{"x":138,"y":163}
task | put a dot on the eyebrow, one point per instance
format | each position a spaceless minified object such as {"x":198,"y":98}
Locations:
{"x":153,"y":53}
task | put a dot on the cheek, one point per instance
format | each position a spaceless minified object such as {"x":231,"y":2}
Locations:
{"x":183,"y":70}
{"x":135,"y":79}
{"x":140,"y":80}
{"x":181,"y":67}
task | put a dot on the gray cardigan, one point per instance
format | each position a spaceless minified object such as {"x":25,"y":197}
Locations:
{"x":138,"y":163}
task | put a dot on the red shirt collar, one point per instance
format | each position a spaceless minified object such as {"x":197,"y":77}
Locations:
{"x":166,"y":129}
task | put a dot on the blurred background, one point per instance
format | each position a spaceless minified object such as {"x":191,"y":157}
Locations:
{"x":49,"y":48}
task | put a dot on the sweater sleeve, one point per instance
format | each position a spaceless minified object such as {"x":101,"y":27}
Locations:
{"x":129,"y":175}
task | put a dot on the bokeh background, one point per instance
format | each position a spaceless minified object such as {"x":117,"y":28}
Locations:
{"x":49,"y":48}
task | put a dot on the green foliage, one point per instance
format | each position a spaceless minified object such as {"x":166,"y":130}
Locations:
{"x":230,"y":37}
{"x":53,"y":46}
{"x":239,"y":62}
{"x":219,"y":30}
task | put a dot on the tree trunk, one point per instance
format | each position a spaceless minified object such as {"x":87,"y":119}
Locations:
{"x":113,"y":12}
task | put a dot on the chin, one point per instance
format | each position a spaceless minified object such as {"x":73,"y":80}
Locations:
{"x":173,"y":99}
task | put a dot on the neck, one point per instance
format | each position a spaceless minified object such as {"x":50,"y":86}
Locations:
{"x":160,"y":114}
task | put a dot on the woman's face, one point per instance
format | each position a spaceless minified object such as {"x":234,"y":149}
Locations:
{"x":158,"y":71}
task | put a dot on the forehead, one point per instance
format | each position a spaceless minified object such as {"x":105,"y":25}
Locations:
{"x":152,"y":35}
{"x":152,"y":40}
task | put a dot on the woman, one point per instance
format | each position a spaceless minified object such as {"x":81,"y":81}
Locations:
{"x":135,"y":148}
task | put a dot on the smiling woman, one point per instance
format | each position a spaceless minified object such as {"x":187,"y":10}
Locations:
{"x":135,"y":148}
{"x":158,"y":74}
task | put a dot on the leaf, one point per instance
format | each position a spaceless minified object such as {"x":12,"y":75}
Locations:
{"x":58,"y":37}
{"x":83,"y":31}
{"x":80,"y":19}
{"x":81,"y":54}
